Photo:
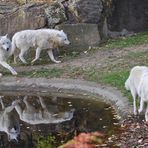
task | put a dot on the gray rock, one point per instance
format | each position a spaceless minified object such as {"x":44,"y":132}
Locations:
{"x":117,"y":34}
{"x":81,"y":35}
{"x":86,"y":11}
{"x":129,"y":14}
{"x":55,"y":14}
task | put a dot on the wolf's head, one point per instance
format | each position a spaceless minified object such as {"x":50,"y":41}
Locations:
{"x":13,"y":133}
{"x":62,"y":38}
{"x":5,"y":43}
{"x":11,"y":122}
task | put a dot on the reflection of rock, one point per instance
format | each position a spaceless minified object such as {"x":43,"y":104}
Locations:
{"x":9,"y":122}
{"x":32,"y":115}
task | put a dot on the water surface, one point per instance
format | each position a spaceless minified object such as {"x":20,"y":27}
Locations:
{"x":30,"y":120}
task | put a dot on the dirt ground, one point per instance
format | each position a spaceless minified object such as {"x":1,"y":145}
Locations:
{"x":98,"y":59}
{"x":134,"y":131}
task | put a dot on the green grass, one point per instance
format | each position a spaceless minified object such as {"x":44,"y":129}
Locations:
{"x":92,"y":74}
{"x":115,"y":79}
{"x":140,"y":38}
{"x":44,"y":142}
{"x":54,"y":72}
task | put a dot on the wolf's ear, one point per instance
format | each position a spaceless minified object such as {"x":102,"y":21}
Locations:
{"x":58,"y":35}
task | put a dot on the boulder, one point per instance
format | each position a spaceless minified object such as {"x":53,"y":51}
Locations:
{"x":81,"y":35}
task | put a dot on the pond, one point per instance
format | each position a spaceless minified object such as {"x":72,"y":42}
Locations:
{"x":28,"y":121}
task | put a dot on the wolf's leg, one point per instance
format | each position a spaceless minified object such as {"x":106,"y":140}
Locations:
{"x":4,"y":64}
{"x":37,"y":54}
{"x":2,"y":104}
{"x":50,"y":53}
{"x":18,"y":108}
{"x":21,"y":55}
{"x":15,"y":57}
{"x":29,"y":107}
{"x":25,"y":101}
{"x":9,"y":108}
{"x":141,"y":105}
{"x":146,"y":112}
{"x":42,"y":102}
{"x":133,"y":92}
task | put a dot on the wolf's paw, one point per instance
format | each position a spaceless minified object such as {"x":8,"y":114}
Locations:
{"x":14,"y":73}
{"x":1,"y":74}
{"x":140,"y":110}
{"x":33,"y":61}
{"x":135,"y":113}
{"x":57,"y":62}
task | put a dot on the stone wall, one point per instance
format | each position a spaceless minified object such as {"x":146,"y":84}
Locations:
{"x":16,"y":15}
{"x":129,"y":14}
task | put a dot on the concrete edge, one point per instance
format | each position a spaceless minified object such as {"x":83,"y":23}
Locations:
{"x":68,"y":86}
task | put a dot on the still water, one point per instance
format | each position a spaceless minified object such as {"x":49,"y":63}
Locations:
{"x":28,"y":121}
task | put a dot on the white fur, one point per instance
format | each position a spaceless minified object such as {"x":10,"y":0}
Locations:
{"x":5,"y":52}
{"x":137,"y":83}
{"x":41,"y":39}
{"x":8,"y":122}
{"x":143,"y":92}
{"x":41,"y":115}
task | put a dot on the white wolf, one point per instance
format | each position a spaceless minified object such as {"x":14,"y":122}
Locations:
{"x":135,"y":83}
{"x":41,"y":39}
{"x":5,"y":52}
{"x":42,"y":115}
{"x":9,"y":123}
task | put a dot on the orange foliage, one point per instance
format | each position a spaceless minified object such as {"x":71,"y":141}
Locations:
{"x":85,"y":140}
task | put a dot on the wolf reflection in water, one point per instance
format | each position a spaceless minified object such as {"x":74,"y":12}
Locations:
{"x":9,"y":123}
{"x":32,"y":115}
